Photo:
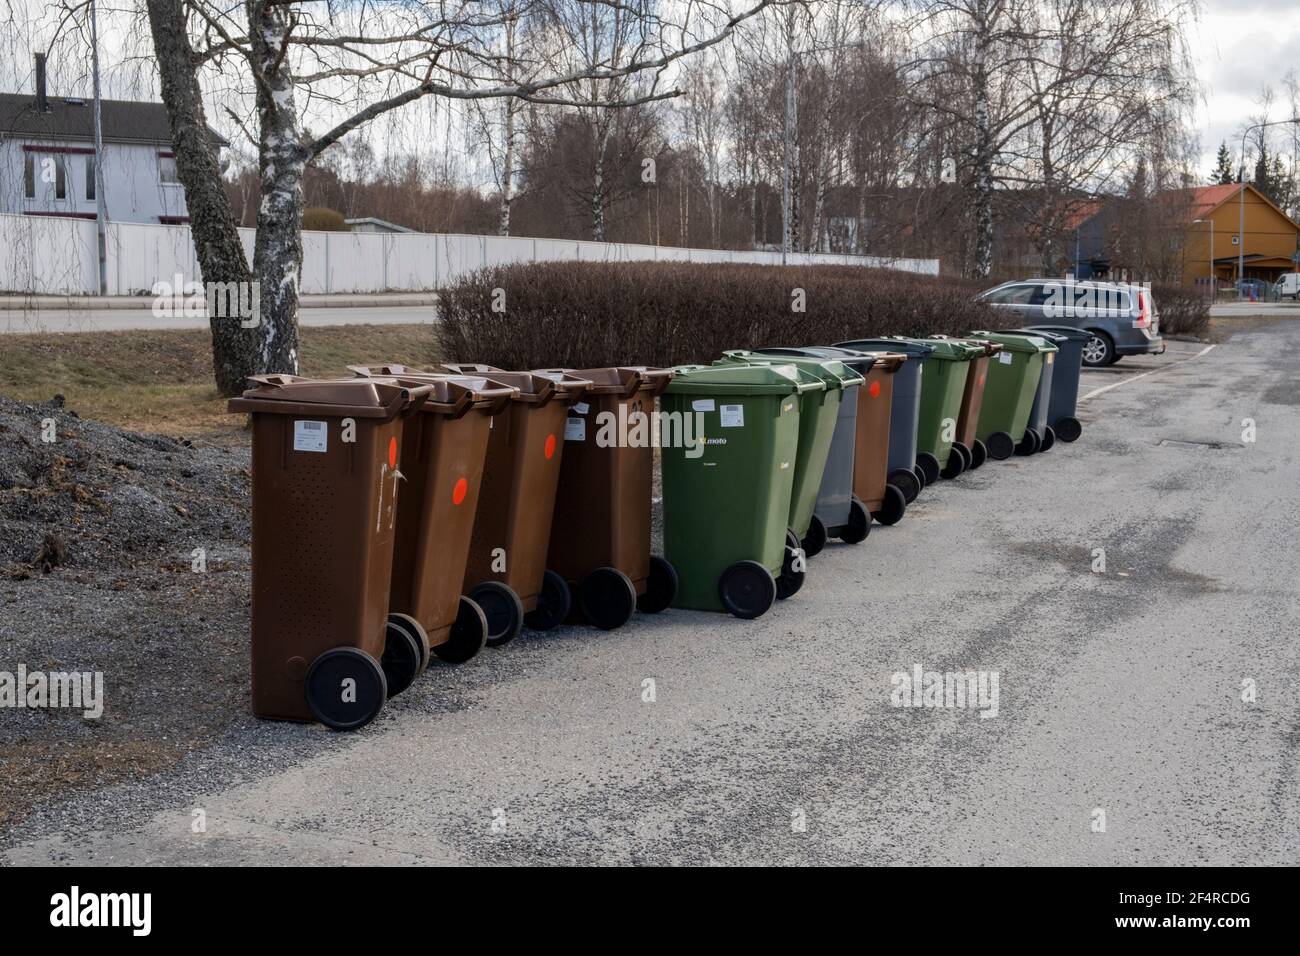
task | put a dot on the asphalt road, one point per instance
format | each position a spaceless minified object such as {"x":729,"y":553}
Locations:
{"x":775,"y":741}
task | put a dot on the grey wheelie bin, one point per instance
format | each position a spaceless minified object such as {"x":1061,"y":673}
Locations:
{"x":1061,"y":410}
{"x":905,"y":412}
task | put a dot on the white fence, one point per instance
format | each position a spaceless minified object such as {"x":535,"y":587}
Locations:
{"x":43,"y":255}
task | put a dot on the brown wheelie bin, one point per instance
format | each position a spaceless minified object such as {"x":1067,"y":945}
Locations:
{"x":884,"y":501}
{"x":600,"y":533}
{"x":506,"y":574}
{"x":972,"y":399}
{"x":325,"y":488}
{"x":443,"y":453}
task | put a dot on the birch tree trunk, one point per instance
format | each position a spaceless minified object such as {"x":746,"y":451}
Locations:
{"x":983,"y":147}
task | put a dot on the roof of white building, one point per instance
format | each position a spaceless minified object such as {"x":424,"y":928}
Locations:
{"x":123,"y":121}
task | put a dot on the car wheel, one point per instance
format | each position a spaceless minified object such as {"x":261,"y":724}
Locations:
{"x":1098,"y":350}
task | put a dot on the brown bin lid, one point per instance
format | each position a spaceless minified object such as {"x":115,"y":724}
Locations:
{"x":621,"y":380}
{"x":889,"y":361}
{"x":356,"y":397}
{"x":451,"y":394}
{"x":534,"y":388}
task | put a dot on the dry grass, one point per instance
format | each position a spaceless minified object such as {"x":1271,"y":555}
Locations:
{"x":161,"y":381}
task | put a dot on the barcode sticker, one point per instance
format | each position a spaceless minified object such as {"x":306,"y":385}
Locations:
{"x":1004,"y":358}
{"x":733,"y":416}
{"x":310,"y":436}
{"x":702,"y":405}
{"x":575,"y":429}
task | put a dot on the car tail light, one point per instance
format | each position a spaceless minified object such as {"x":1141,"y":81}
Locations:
{"x":1144,"y":312}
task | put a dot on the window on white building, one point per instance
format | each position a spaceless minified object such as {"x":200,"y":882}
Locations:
{"x":29,"y":175}
{"x":60,"y":177}
{"x":90,"y":177}
{"x":167,"y":169}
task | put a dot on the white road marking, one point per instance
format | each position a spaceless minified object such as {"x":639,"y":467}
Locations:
{"x":1106,"y":388}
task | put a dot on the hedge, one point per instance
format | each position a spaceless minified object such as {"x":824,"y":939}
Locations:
{"x":1184,"y":310}
{"x":588,"y":314}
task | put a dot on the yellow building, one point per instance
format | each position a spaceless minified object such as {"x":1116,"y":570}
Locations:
{"x":1271,"y":238}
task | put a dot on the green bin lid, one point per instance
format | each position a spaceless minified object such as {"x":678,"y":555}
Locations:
{"x":948,"y":350}
{"x":1017,"y":341}
{"x":736,"y":379}
{"x":832,"y":372}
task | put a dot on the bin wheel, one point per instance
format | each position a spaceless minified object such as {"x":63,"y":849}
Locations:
{"x":979,"y":454}
{"x":553,"y":604}
{"x":1000,"y":446}
{"x":958,"y":461}
{"x":1068,"y":429}
{"x":906,"y":482}
{"x":607,"y":598}
{"x":859,"y":526}
{"x":345,"y":688}
{"x":1049,"y":437}
{"x":892,"y":507}
{"x":920,"y":476}
{"x":747,"y":589}
{"x":402,"y":657}
{"x":790,"y":580}
{"x":966,"y":457}
{"x":815,"y":540}
{"x":660,"y":587}
{"x":416,"y":628}
{"x":929,"y":466}
{"x":468,"y":634}
{"x":1030,"y":443}
{"x":502,"y":609}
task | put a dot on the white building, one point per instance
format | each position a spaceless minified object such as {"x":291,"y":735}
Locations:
{"x":47,"y":158}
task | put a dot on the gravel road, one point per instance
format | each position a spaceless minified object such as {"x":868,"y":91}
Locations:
{"x":1121,"y":734}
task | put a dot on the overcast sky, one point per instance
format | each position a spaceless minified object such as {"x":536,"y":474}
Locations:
{"x":1240,"y":46}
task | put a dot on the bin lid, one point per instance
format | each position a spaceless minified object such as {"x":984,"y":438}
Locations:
{"x":622,"y":380}
{"x":379,"y":397}
{"x":1018,"y":341}
{"x":832,"y":372}
{"x":886,"y":361}
{"x":452,"y":394}
{"x":950,"y":350}
{"x":1066,"y":331}
{"x":860,"y":362}
{"x":740,"y":379}
{"x":534,"y":388}
{"x":988,"y":346}
{"x":914,"y":349}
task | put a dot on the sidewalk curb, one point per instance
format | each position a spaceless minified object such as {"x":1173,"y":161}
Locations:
{"x":78,"y":303}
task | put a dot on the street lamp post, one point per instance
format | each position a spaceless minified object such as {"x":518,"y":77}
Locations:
{"x":1214,"y":276}
{"x":1241,"y":197}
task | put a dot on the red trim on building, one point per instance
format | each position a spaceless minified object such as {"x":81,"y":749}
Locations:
{"x":174,"y":220}
{"x":64,"y":215}
{"x":166,"y":154}
{"x":67,"y":150}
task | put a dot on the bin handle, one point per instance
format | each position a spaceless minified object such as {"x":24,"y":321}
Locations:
{"x":496,"y":399}
{"x":413,"y":398}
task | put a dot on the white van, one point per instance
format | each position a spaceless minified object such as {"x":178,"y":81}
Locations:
{"x":1289,"y":285}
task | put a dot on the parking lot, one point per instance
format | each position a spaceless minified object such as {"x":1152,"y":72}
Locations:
{"x":1146,"y":712}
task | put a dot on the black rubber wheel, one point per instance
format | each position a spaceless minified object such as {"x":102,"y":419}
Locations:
{"x":1049,"y":438}
{"x":553,"y":604}
{"x":747,"y":589}
{"x":958,"y":461}
{"x":345,"y":688}
{"x":607,"y":598}
{"x":920,"y":476}
{"x":929,"y":466}
{"x":892,"y":508}
{"x":1000,"y":446}
{"x":402,"y":657}
{"x":502,"y":609}
{"x":468,"y":634}
{"x":416,"y":628}
{"x":906,"y":482}
{"x":1068,"y":429}
{"x":815,"y":540}
{"x":660,"y":587}
{"x":979,"y":454}
{"x":1030,"y":443}
{"x":859,"y":526}
{"x":790,"y":580}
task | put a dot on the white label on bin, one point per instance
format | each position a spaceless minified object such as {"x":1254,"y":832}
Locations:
{"x":702,"y":405}
{"x":575,"y":429}
{"x":582,"y":408}
{"x":733,"y":416}
{"x":1050,"y":356}
{"x":1004,"y":358}
{"x":310,"y":436}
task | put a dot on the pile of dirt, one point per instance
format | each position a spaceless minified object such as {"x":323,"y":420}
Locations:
{"x":99,"y":534}
{"x":84,"y":495}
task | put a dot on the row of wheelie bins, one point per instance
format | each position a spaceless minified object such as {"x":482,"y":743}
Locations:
{"x":402,"y":514}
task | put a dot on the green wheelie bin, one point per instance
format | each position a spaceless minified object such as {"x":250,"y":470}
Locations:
{"x":943,"y":386}
{"x":729,"y":439}
{"x":1009,"y":393}
{"x":818,"y":413}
